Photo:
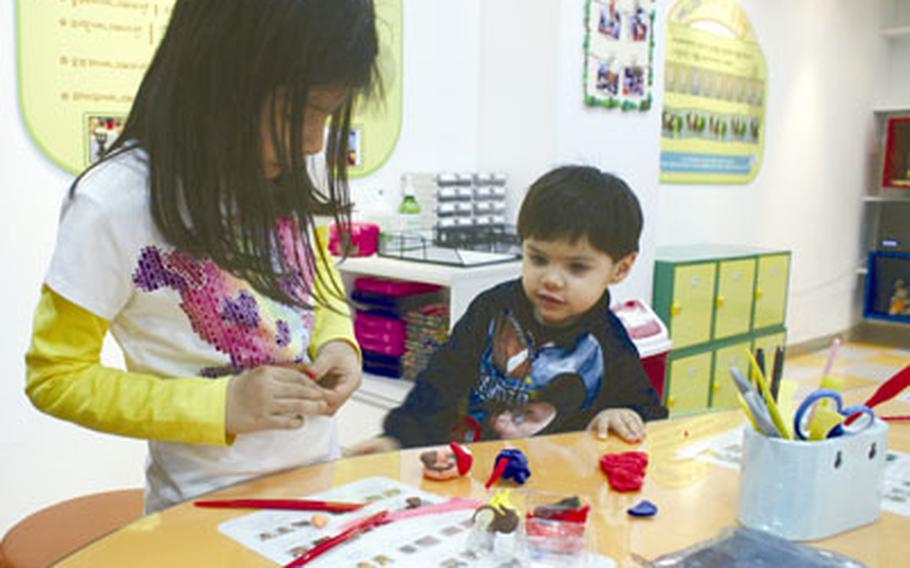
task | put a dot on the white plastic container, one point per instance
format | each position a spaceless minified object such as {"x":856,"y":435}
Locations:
{"x":650,"y":337}
{"x":811,"y":490}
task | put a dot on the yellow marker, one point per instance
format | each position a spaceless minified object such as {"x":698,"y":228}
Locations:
{"x":769,"y":400}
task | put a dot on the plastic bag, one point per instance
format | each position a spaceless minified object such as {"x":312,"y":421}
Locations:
{"x":741,"y":547}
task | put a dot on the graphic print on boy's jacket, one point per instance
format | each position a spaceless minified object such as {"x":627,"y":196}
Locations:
{"x":526,"y":388}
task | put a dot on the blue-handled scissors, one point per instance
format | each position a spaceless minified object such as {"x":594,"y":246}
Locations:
{"x":815,"y":419}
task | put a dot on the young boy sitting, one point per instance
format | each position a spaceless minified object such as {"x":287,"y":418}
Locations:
{"x":542,"y":354}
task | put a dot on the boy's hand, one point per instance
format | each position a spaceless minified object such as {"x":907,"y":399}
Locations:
{"x":626,"y":423}
{"x":271,"y":398}
{"x":375,"y":445}
{"x":337,"y":370}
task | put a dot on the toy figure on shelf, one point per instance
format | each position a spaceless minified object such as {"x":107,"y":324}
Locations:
{"x":900,"y":300}
{"x":499,"y":516}
{"x":510,"y":464}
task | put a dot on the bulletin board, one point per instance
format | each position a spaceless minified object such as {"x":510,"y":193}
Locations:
{"x":619,"y":49}
{"x":80,"y":63}
{"x":715,"y":79}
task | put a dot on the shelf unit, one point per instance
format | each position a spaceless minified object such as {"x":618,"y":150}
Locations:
{"x":362,"y":416}
{"x":880,"y":201}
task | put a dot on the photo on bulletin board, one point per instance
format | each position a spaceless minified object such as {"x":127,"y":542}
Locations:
{"x":80,"y":64}
{"x":100,"y":132}
{"x":619,"y":50}
{"x":354,"y":148}
{"x":712,"y":122}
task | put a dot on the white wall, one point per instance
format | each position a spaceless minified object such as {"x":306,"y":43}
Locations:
{"x":824,"y":60}
{"x":894,"y":85}
{"x":441,"y":99}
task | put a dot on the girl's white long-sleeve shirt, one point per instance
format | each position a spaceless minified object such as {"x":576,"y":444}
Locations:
{"x":184,"y":325}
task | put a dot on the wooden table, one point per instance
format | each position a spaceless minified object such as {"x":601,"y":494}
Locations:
{"x":696,"y":500}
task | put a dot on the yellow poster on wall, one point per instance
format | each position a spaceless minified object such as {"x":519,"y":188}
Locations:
{"x":714,"y":95}
{"x":81,"y":62}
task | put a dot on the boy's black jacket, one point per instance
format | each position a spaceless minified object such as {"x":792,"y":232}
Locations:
{"x":440,"y":397}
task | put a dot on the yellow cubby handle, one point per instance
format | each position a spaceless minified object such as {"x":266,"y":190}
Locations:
{"x":671,"y":402}
{"x":759,"y":293}
{"x":720,"y":301}
{"x":715,"y":387}
{"x":675,"y":309}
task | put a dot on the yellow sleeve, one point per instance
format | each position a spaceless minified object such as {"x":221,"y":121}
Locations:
{"x":65,"y":378}
{"x":330,"y":323}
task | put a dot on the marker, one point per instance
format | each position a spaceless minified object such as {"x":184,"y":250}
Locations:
{"x":778,"y":372}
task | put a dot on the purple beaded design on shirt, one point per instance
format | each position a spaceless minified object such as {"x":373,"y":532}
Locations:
{"x":225,"y":312}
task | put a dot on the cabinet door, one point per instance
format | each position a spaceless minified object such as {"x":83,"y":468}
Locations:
{"x":723,"y":391}
{"x":735,"y":286}
{"x":689,"y":380}
{"x":768,"y":344}
{"x":692,"y":307}
{"x":771,"y":290}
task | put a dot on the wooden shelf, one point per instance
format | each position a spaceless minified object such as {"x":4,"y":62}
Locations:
{"x":891,"y":109}
{"x":886,"y":198}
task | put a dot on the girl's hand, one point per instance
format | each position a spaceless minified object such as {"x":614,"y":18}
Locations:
{"x":271,"y":398}
{"x":375,"y":445}
{"x":626,"y":423}
{"x":337,"y":370}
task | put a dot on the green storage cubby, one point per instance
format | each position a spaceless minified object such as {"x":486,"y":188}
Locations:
{"x":723,"y":391}
{"x":689,"y":381}
{"x":771,"y":290}
{"x":733,"y":301}
{"x":717,"y":301}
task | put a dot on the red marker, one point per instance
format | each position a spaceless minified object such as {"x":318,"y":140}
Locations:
{"x":362,"y":526}
{"x":282,"y":504}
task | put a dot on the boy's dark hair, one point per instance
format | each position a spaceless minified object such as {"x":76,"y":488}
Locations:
{"x":572,"y":202}
{"x":198,"y":112}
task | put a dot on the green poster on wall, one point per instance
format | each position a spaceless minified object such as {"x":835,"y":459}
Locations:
{"x":714,"y":95}
{"x":81,"y":61}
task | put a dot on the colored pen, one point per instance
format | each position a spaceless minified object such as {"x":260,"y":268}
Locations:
{"x":760,"y":359}
{"x":832,"y":355}
{"x":778,"y":372}
{"x":362,"y":526}
{"x":753,"y":406}
{"x":772,"y":406}
{"x":285,"y":504}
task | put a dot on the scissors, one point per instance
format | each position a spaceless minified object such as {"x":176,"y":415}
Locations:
{"x":815,"y":419}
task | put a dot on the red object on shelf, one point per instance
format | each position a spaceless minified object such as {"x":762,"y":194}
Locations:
{"x":363,"y":239}
{"x":896,"y":163}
